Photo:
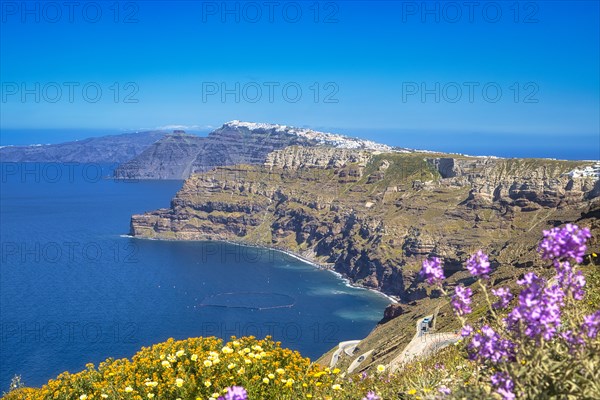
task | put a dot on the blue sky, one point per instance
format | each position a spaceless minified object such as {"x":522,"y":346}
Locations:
{"x":406,"y":73}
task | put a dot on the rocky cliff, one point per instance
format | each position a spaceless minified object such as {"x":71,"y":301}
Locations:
{"x":374,"y":216}
{"x":178,"y":156}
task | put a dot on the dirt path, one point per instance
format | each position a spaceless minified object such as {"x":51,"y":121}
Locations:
{"x":422,"y":344}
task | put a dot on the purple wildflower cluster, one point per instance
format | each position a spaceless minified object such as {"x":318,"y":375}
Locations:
{"x":504,"y":385}
{"x":371,"y":396}
{"x":538,"y":311}
{"x":478,"y":264}
{"x":432,"y":271}
{"x":539,"y":308}
{"x":570,"y":281}
{"x":560,"y":244}
{"x":235,"y":393}
{"x":504,"y":297}
{"x":488,"y":344}
{"x":591,"y":324}
{"x":461,"y":300}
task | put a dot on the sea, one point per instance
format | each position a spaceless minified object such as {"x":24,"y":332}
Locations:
{"x":76,"y":289}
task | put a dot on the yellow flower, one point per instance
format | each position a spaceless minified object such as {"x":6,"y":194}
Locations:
{"x":179,"y":382}
{"x":150,"y":395}
{"x":380,"y":368}
{"x":171,"y":358}
{"x":271,"y":376}
{"x":266,"y":380}
{"x":280,"y":371}
{"x":180,"y":353}
{"x":151,"y":384}
{"x":227,"y":350}
{"x":207,"y":363}
{"x":166,"y":364}
{"x":336,"y":371}
{"x":231,"y":366}
{"x":104,"y":396}
{"x":412,"y":391}
{"x":336,"y":387}
{"x":83,"y":397}
{"x":128,"y":389}
{"x":594,"y":255}
{"x":194,"y":357}
{"x":207,"y":384}
{"x":309,"y":396}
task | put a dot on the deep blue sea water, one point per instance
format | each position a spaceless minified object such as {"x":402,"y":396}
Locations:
{"x":74,"y":289}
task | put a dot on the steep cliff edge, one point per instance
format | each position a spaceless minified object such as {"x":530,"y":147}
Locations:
{"x":374,"y":216}
{"x":236,"y":142}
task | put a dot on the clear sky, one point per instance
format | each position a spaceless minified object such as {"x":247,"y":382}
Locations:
{"x":501,"y":74}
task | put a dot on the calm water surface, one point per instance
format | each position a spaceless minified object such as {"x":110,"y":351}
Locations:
{"x":74,"y":289}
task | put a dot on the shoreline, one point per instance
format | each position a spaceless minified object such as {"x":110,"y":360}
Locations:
{"x":287,"y":252}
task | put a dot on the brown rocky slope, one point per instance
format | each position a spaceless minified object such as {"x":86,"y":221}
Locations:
{"x":374,"y":216}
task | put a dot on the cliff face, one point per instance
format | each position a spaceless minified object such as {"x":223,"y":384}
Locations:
{"x":105,"y":149}
{"x":374,"y":217}
{"x":179,"y":156}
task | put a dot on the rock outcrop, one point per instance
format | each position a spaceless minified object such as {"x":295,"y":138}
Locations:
{"x":178,"y":156}
{"x":374,"y":217}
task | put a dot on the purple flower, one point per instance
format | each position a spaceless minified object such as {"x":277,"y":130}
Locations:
{"x":461,"y":300}
{"x":235,"y":393}
{"x":504,"y":297}
{"x":478,"y":264}
{"x":574,"y":340}
{"x":591,"y":324}
{"x":504,"y":385}
{"x":564,"y":243}
{"x":363,"y":376}
{"x":466,"y":330}
{"x":444,"y":390}
{"x":539,"y":308}
{"x":571,"y":282}
{"x":489,"y":345}
{"x":432,"y":271}
{"x":371,"y":396}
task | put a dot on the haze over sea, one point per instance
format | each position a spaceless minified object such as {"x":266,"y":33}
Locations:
{"x":500,"y":144}
{"x":74,"y":289}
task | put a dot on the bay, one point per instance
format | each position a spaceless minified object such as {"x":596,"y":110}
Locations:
{"x":74,"y":288}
